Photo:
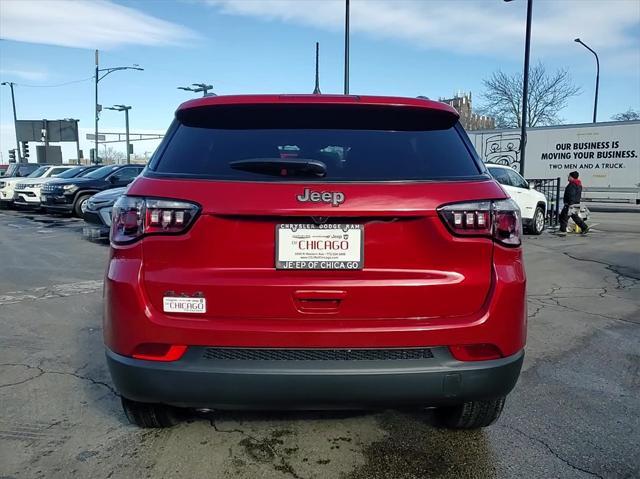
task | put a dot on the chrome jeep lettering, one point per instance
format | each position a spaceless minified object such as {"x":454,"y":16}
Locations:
{"x":335,"y":198}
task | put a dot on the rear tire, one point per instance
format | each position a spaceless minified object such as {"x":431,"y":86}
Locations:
{"x":148,"y":415}
{"x":470,"y":415}
{"x":77,"y":207}
{"x":537,"y":222}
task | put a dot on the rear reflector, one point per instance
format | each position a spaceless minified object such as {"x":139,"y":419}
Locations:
{"x":475,"y":352}
{"x":159,"y":352}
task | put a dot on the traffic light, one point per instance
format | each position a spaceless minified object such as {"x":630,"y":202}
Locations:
{"x":12,"y":156}
{"x":25,"y":150}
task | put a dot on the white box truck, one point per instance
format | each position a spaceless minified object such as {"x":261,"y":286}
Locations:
{"x":607,"y":155}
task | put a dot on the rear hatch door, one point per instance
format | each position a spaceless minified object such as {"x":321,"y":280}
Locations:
{"x":276,"y":238}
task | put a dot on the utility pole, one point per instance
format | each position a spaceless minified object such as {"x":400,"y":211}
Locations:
{"x":316,"y":90}
{"x":105,"y":71}
{"x":197,"y":88}
{"x":346,"y":48}
{"x":525,"y":87}
{"x":595,"y":101}
{"x":125,"y":109}
{"x":94,"y":160}
{"x":15,"y":118}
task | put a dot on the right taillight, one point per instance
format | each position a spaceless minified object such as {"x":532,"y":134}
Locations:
{"x":499,"y":219}
{"x":134,"y":217}
{"x":507,"y":224}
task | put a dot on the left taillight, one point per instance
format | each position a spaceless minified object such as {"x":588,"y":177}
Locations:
{"x":134,"y":217}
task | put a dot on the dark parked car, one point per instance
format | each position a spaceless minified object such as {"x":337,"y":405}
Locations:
{"x":97,"y":213}
{"x":69,"y":196}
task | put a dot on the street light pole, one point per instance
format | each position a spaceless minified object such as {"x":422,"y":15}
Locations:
{"x":525,"y":87}
{"x":197,"y":88}
{"x":15,"y":118}
{"x":106,"y":72}
{"x":94,"y":160}
{"x":126,"y":126}
{"x":346,"y":48}
{"x":126,"y":109}
{"x":595,"y":101}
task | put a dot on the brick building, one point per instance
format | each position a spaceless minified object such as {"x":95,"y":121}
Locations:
{"x":470,"y":121}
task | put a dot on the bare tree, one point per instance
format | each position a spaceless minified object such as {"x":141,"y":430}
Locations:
{"x":630,"y":114}
{"x":548,"y":95}
{"x":111,"y":155}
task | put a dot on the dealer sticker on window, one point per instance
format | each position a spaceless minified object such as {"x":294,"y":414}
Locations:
{"x":325,"y":246}
{"x":184,"y":305}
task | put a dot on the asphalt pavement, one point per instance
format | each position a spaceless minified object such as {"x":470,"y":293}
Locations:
{"x":575,"y":412}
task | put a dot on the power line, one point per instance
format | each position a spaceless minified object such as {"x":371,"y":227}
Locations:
{"x":55,"y":85}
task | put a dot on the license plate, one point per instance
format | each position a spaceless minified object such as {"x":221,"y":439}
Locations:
{"x":319,"y":246}
{"x":184,"y":305}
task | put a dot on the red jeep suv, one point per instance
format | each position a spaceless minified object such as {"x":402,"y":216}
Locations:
{"x":315,"y":252}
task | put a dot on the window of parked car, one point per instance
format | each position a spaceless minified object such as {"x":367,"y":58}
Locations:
{"x":501,"y":175}
{"x":102,"y":172}
{"x":71,"y":172}
{"x":59,"y":170}
{"x":39,"y":172}
{"x":517,"y":180}
{"x":126,"y":174}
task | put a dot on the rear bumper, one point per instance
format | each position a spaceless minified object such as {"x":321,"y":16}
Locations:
{"x":195,"y":381}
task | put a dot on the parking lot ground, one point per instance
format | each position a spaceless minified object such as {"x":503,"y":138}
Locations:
{"x":574,"y":413}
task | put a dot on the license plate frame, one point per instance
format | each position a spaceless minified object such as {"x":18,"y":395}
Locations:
{"x":351,"y":258}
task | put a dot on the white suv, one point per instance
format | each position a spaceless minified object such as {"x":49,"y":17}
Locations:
{"x":8,"y":185}
{"x":532,"y":203}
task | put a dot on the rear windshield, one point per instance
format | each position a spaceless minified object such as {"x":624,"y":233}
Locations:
{"x":416,"y":149}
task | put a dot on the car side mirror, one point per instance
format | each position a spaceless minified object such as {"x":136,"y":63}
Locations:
{"x":114,"y":179}
{"x":532,"y":185}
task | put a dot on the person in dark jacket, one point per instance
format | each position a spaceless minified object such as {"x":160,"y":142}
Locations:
{"x":571,"y":200}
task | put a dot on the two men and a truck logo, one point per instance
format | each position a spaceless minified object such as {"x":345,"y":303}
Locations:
{"x":607,"y":155}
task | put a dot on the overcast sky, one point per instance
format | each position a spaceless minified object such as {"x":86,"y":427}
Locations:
{"x":407,"y":48}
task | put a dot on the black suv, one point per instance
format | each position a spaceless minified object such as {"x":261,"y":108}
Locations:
{"x":69,"y":196}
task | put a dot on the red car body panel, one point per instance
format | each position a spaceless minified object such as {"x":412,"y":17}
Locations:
{"x":421,"y":286}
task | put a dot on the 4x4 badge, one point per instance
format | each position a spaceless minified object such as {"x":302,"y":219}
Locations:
{"x":336,"y":198}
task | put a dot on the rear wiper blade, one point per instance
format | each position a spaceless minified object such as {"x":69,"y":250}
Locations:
{"x":282,"y":166}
